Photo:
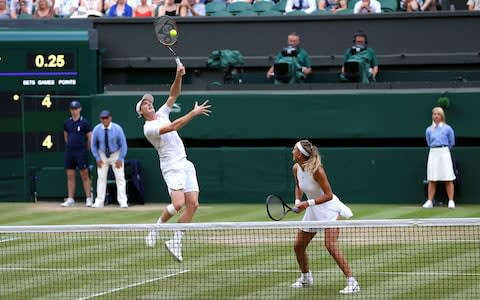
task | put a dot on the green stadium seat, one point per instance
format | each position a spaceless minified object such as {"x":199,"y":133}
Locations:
{"x":214,"y":7}
{"x":247,"y":13}
{"x":389,"y":5}
{"x":345,"y":11}
{"x":280,"y":6}
{"x":270,"y":13}
{"x":221,"y":13}
{"x":262,"y":5}
{"x":238,"y":6}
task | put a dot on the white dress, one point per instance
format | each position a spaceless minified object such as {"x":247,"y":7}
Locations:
{"x":327,"y":211}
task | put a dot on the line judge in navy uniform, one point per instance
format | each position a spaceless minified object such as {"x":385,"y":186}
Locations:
{"x":77,"y":133}
{"x":109,"y":147}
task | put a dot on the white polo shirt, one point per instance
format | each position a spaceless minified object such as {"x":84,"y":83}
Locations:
{"x":169,"y":145}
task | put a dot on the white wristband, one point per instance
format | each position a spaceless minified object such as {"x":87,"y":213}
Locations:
{"x":297,"y":201}
{"x":311,"y":202}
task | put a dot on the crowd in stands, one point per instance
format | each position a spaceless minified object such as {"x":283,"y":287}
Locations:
{"x":44,"y":9}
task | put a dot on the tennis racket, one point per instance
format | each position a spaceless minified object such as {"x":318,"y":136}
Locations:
{"x":163,"y":25}
{"x":277,"y":209}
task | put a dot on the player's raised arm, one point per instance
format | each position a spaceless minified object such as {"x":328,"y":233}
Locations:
{"x":182,"y":121}
{"x":176,"y":87}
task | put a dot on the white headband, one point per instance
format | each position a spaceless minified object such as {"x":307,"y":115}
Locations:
{"x":301,"y":149}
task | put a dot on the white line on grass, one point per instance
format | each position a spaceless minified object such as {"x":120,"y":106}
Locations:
{"x":8,"y":240}
{"x":133,"y":285}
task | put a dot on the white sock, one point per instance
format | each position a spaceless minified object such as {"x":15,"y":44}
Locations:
{"x":351,"y":280}
{"x":451,"y":200}
{"x":307,"y":275}
{"x":177,"y":236}
{"x":159,"y":221}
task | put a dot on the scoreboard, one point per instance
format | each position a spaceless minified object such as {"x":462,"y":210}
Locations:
{"x":41,"y":72}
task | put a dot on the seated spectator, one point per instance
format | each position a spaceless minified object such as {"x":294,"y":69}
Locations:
{"x":168,"y":8}
{"x":332,"y":5}
{"x":143,"y":9}
{"x":192,"y":8}
{"x":367,"y":7}
{"x":473,"y":5}
{"x":120,"y":9}
{"x":91,"y":8}
{"x":418,"y":5}
{"x":295,"y":58}
{"x":65,"y":8}
{"x":360,"y":62}
{"x":308,"y":6}
{"x":44,"y":10}
{"x":21,"y":8}
{"x":5,"y":12}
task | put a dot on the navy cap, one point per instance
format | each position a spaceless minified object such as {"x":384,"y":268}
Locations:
{"x":75,"y":104}
{"x":105,"y":114}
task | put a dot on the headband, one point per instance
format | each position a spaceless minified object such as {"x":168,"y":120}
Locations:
{"x":301,"y":149}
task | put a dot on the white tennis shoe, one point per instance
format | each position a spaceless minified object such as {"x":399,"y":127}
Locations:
{"x":98,"y":204}
{"x":451,"y":204}
{"x":175,"y":249}
{"x":303,"y":282}
{"x":68,"y":202}
{"x":89,"y":201}
{"x":428,"y":204}
{"x":352,"y":287}
{"x":124,"y":205}
{"x":151,"y":239}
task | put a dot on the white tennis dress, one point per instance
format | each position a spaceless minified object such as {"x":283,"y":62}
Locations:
{"x":177,"y":171}
{"x":327,"y":211}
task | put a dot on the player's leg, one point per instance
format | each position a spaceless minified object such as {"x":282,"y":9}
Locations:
{"x":300,"y":246}
{"x":191,"y":193}
{"x":432,"y":188}
{"x":331,"y":238}
{"x":102,"y":173}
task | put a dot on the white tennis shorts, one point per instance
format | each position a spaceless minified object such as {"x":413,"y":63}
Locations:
{"x":439,"y":165}
{"x":182,"y":176}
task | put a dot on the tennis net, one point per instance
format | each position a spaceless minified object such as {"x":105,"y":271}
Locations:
{"x":391,"y":259}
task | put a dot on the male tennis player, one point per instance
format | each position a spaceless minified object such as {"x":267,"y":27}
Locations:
{"x":178,"y":173}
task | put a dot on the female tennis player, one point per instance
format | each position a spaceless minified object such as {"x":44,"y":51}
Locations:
{"x":322,"y":205}
{"x":440,"y":139}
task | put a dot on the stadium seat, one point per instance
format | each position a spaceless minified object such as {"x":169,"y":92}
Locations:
{"x":280,"y":6}
{"x":262,"y":6}
{"x":214,"y":7}
{"x":270,"y":13}
{"x":221,"y":13}
{"x":389,"y":5}
{"x":247,"y":13}
{"x":236,"y":7}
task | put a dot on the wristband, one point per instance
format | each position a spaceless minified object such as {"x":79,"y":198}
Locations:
{"x":297,"y":201}
{"x":311,"y":202}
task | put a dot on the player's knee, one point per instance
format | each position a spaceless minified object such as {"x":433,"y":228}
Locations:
{"x":174,"y":209}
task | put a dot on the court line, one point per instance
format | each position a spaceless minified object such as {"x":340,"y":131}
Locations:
{"x":133,"y":285}
{"x":8,"y":240}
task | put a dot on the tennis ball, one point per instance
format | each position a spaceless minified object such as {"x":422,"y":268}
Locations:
{"x":173,"y":33}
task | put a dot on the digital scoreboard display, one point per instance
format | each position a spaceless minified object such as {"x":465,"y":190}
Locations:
{"x":41,"y":72}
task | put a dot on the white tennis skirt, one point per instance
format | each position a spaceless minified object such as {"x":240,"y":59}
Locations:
{"x":328,"y":211}
{"x":439,"y":165}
